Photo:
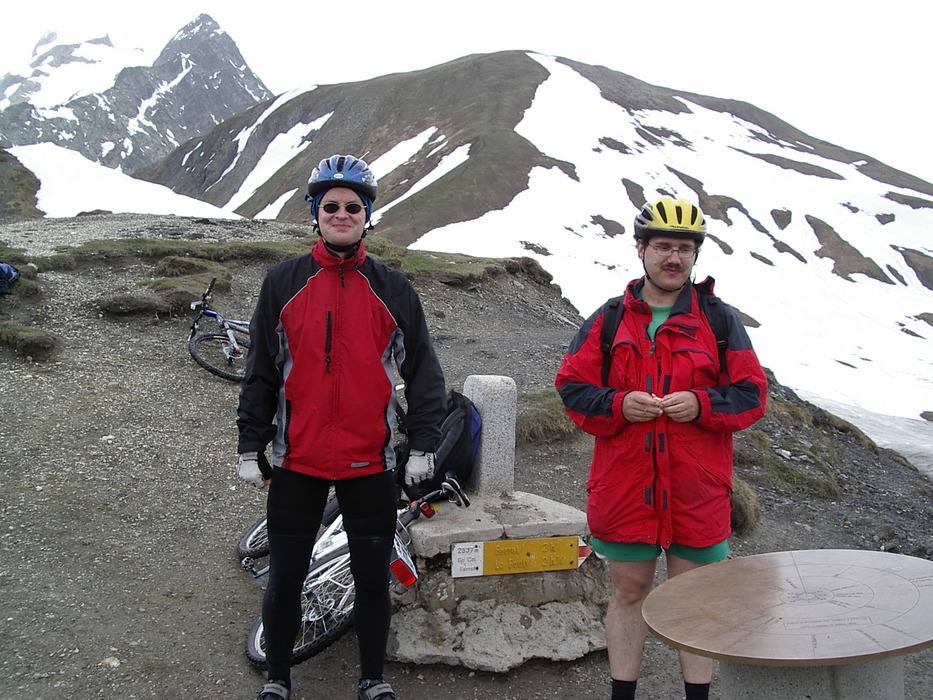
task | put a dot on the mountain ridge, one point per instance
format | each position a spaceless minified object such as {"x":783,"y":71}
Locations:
{"x":515,"y":153}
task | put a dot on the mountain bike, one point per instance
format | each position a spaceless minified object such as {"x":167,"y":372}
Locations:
{"x":221,"y":352}
{"x":328,"y":592}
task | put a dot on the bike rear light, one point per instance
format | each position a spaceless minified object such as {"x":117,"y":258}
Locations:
{"x":427,"y":510}
{"x":403,"y":572}
{"x":402,"y":565}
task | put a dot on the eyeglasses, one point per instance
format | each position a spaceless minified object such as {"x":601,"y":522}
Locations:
{"x":665,"y":251}
{"x":334,"y":207}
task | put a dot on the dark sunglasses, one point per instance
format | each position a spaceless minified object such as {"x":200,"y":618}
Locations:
{"x":334,"y":207}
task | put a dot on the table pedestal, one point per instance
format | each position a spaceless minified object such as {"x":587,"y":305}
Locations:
{"x":872,"y":680}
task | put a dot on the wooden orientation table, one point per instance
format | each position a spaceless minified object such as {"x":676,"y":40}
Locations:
{"x":827,"y":624}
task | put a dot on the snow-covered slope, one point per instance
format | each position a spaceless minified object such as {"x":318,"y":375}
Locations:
{"x":848,"y":337}
{"x":60,"y":72}
{"x":72,"y":184}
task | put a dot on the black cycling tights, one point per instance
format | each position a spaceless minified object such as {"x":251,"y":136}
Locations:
{"x":295,"y":508}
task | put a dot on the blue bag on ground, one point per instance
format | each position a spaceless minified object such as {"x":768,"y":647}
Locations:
{"x":8,"y":275}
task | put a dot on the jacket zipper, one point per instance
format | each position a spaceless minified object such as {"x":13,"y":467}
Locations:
{"x":657,"y":385}
{"x":328,"y":338}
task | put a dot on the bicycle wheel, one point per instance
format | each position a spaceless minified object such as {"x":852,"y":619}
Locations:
{"x":215,"y":353}
{"x":255,"y":541}
{"x":326,"y":609}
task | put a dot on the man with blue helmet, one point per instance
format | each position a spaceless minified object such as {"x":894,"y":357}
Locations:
{"x":320,"y":387}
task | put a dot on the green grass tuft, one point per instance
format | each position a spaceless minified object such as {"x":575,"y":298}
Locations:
{"x":541,"y":418}
{"x":746,"y":512}
{"x":33,"y":343}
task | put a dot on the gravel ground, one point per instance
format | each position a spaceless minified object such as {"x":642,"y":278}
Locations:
{"x":121,"y":508}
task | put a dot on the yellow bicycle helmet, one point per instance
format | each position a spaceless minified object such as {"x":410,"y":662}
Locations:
{"x":671,"y":217}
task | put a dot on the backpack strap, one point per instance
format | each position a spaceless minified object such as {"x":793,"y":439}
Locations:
{"x":612,"y":317}
{"x":715,"y":310}
{"x":711,"y":305}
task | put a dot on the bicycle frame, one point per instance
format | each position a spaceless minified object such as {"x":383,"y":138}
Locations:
{"x":334,"y":536}
{"x":227,"y":324}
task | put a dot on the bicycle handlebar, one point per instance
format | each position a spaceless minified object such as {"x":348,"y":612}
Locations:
{"x":422,"y":506}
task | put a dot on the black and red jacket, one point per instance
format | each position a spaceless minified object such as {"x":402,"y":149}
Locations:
{"x":320,"y":381}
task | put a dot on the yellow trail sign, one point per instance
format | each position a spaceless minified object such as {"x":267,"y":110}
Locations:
{"x":517,"y":556}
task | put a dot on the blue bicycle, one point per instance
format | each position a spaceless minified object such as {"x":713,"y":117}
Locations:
{"x":224,"y":351}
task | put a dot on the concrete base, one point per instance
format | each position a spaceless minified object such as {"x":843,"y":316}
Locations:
{"x":496,"y":623}
{"x":497,"y":633}
{"x":512,"y":516}
{"x":872,"y":680}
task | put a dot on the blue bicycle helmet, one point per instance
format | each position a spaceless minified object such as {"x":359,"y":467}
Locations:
{"x":343,"y":171}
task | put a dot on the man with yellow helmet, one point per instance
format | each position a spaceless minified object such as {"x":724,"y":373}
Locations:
{"x":663,"y":400}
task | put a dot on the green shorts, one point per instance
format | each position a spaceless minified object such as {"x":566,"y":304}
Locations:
{"x":642,"y":551}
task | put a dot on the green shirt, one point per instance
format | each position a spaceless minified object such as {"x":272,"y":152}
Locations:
{"x":659,"y":314}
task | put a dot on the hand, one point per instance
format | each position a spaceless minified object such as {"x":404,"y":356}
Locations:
{"x":681,"y":406}
{"x":640,"y":406}
{"x":248,"y":469}
{"x":420,"y":466}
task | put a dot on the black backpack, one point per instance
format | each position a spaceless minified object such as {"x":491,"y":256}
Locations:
{"x":712,"y":306}
{"x":456,"y":451}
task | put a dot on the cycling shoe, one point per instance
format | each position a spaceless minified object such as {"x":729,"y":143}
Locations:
{"x":375,"y":690}
{"x":273,"y":691}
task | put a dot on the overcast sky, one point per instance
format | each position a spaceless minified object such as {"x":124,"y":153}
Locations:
{"x":855,"y":74}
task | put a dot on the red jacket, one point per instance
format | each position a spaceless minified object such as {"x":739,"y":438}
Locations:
{"x":319,"y":380}
{"x":662,"y":482}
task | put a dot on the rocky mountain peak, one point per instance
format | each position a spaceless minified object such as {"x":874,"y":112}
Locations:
{"x":141,"y":113}
{"x":193,"y":38}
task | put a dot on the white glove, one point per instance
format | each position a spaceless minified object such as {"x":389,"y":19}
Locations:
{"x":248,"y":469}
{"x":420,"y":466}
